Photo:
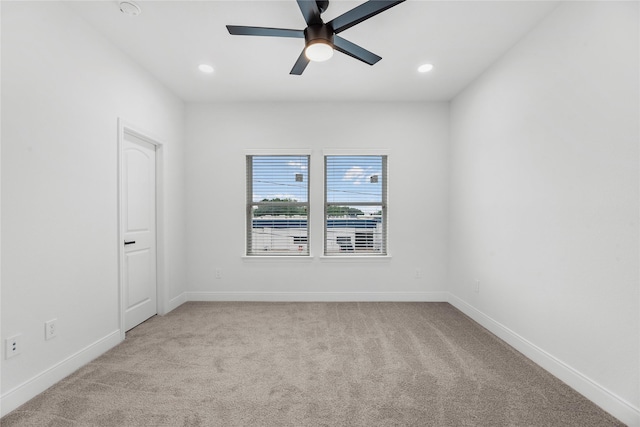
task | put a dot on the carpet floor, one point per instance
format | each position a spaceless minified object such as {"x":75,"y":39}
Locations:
{"x":310,"y":364}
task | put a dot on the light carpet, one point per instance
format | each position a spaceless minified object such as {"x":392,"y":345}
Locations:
{"x":310,"y":364}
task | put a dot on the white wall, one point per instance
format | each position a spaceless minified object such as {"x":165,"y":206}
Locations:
{"x":415,"y":136}
{"x":544,"y":200}
{"x":63,"y":89}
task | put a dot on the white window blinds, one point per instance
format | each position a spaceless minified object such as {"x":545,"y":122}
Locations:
{"x":355,"y":205}
{"x":277,"y":205}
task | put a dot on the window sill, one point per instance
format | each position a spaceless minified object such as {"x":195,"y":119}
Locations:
{"x":277,"y":258}
{"x":322,"y":258}
{"x":355,"y":258}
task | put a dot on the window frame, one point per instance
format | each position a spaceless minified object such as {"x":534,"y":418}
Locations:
{"x":250,"y":204}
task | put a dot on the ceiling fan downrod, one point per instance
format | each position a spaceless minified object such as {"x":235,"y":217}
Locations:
{"x":323,"y":5}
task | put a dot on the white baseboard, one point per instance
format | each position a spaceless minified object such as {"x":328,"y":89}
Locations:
{"x":19,"y":395}
{"x":176,"y":302}
{"x":610,"y":402}
{"x":319,"y":296}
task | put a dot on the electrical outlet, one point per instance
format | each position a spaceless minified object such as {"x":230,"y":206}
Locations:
{"x":218,"y":273}
{"x":476,"y":286}
{"x":50,"y":329}
{"x":418,"y":273}
{"x":12,"y":346}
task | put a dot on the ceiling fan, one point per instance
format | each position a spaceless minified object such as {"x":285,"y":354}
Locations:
{"x":322,"y":38}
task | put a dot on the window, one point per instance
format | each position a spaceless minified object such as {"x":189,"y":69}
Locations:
{"x":277,"y":205}
{"x":355,"y":205}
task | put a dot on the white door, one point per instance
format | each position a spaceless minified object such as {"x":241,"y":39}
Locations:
{"x":139,"y":230}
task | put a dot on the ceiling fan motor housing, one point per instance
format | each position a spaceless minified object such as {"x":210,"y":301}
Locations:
{"x":318,"y":33}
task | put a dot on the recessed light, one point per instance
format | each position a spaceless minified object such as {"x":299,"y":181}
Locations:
{"x":130,"y":8}
{"x":425,"y":68}
{"x":205,"y":68}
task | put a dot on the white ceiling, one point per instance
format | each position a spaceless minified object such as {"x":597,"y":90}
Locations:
{"x":171,"y":38}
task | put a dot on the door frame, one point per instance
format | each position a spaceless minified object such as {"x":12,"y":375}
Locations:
{"x":126,"y":128}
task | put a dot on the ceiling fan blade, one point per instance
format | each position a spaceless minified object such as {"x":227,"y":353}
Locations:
{"x":354,"y":51}
{"x":310,"y":11}
{"x":238,"y":30}
{"x":300,"y":64}
{"x":361,"y":13}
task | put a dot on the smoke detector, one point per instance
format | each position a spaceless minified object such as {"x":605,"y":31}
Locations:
{"x":130,"y":8}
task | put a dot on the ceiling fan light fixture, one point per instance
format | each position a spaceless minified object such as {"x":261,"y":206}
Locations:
{"x":318,"y":42}
{"x":319,"y":51}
